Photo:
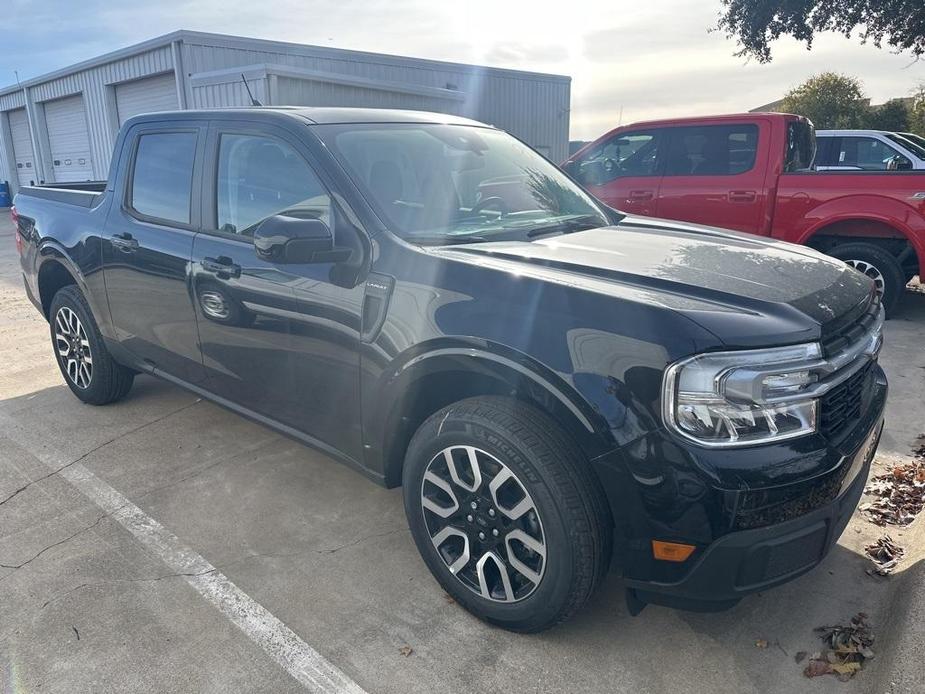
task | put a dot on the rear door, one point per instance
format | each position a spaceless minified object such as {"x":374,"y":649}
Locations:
{"x":624,"y":170}
{"x":281,"y":340}
{"x":715,"y":175}
{"x":148,"y":243}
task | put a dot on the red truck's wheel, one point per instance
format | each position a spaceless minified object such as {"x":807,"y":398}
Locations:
{"x":879,"y":265}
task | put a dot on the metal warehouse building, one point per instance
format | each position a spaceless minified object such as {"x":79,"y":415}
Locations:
{"x":61,"y":127}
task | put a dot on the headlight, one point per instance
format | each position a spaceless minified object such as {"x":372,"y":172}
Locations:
{"x":740,"y":398}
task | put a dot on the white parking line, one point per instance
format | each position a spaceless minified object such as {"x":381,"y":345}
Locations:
{"x":282,"y":644}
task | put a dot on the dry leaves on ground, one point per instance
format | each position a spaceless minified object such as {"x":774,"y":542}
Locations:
{"x":900,"y":494}
{"x":847,"y":648}
{"x":405,"y":651}
{"x":885,"y":554}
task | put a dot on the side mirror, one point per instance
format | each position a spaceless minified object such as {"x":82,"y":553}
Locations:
{"x":282,"y":239}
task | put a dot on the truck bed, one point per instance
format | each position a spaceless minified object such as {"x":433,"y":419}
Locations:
{"x":82,"y":194}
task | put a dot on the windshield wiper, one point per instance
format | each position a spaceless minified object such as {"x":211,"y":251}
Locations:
{"x":567,"y":226}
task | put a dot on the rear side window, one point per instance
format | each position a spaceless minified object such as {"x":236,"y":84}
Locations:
{"x":712,"y":150}
{"x":162,"y":177}
{"x":626,"y":154}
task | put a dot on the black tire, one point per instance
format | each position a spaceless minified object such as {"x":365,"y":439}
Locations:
{"x":877,"y":262}
{"x":573,"y":516}
{"x":108,"y":381}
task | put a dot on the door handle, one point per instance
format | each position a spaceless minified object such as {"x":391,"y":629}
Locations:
{"x":124,"y":242}
{"x":640,"y":195}
{"x":221,"y":266}
{"x":742,"y":196}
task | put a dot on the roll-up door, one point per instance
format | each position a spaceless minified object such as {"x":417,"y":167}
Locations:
{"x":69,"y":140}
{"x":146,"y":96}
{"x":22,"y":147}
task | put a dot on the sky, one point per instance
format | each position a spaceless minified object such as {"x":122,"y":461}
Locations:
{"x":628,"y":61}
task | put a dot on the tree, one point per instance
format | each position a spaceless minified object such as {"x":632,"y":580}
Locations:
{"x":917,"y":111}
{"x":756,"y":23}
{"x":829,"y":100}
{"x":893,"y":116}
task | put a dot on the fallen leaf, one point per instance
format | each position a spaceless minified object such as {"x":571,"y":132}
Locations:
{"x":761,"y":643}
{"x":406,"y":651}
{"x":817,"y":668}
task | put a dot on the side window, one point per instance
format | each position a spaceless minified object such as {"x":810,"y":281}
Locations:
{"x":626,"y":154}
{"x":866,"y":153}
{"x":162,"y":177}
{"x":259,"y":177}
{"x":712,"y":150}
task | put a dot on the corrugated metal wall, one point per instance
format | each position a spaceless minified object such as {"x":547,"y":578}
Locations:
{"x":95,"y":85}
{"x":533,"y":107}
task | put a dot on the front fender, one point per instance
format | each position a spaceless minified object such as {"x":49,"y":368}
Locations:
{"x":480,"y":361}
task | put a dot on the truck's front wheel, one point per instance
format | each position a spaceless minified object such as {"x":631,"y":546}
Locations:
{"x":89,"y":370}
{"x":878,"y":264}
{"x":506,"y":513}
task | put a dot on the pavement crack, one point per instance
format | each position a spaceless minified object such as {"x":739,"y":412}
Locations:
{"x":53,"y":545}
{"x":359,"y":540}
{"x":119,"y":581}
{"x":97,"y":448}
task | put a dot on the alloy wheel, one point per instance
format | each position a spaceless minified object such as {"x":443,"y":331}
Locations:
{"x":73,"y":347}
{"x":483,"y":523}
{"x":871,"y":271}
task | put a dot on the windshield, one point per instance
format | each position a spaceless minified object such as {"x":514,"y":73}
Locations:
{"x":908,"y":143}
{"x":438,"y":184}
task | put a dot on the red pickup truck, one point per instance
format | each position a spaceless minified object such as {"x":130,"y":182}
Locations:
{"x":753,"y":172}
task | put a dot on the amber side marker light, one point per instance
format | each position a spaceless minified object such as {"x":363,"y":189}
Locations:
{"x":671,"y":551}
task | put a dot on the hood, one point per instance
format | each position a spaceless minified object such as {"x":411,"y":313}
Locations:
{"x":697,"y":270}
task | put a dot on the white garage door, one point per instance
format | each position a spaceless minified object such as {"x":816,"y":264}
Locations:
{"x":22,"y":147}
{"x":70,"y":143}
{"x":146,"y":96}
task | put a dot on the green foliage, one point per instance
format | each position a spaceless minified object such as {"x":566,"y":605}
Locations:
{"x":829,"y":100}
{"x":893,"y":116}
{"x":917,"y":112}
{"x":899,"y":24}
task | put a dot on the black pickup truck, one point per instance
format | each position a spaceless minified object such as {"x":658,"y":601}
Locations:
{"x":560,"y":389}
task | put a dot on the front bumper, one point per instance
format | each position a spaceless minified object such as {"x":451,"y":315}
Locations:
{"x":752,"y":560}
{"x":740,"y":551}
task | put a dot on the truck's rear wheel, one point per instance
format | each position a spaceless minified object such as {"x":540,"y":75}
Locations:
{"x":506,"y":513}
{"x":879,"y":265}
{"x":88,"y":369}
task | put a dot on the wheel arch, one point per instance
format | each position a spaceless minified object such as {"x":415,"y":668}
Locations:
{"x":55,"y":270}
{"x":433,"y":378}
{"x":883,"y":230}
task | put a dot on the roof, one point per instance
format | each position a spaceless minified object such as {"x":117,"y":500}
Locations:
{"x":241,"y":42}
{"x":318,"y":115}
{"x":704,"y":119}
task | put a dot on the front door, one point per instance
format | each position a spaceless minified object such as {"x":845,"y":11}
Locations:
{"x":147,"y":245}
{"x":714,"y":175}
{"x":280,"y":340}
{"x":623,"y":170}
